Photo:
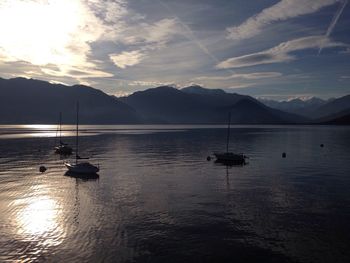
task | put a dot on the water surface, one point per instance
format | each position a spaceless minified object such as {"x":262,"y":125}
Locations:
{"x":158,"y":199}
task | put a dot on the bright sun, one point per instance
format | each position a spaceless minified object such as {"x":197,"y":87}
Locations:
{"x":38,"y":31}
{"x":47,"y":33}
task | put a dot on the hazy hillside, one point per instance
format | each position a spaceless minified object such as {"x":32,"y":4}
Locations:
{"x":317,"y":110}
{"x":333,"y":107}
{"x":33,"y":101}
{"x":341,"y":118}
{"x":296,"y":106}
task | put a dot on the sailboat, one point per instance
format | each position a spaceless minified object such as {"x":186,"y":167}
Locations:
{"x":62,"y":148}
{"x":229,"y":157}
{"x":82,"y":168}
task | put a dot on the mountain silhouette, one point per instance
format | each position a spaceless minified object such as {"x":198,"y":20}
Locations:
{"x":195,"y":89}
{"x":33,"y":101}
{"x":339,"y":118}
{"x":343,"y":120}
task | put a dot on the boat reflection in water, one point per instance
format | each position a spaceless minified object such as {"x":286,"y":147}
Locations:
{"x":232,"y":162}
{"x":84,"y":177}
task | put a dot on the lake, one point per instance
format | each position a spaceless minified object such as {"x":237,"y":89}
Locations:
{"x":158,"y":199}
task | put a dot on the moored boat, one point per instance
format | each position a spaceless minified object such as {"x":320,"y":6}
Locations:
{"x":62,"y":148}
{"x":82,"y":168}
{"x":230,"y":157}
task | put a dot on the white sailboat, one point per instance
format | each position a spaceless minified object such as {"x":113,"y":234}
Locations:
{"x":229,"y":157}
{"x":82,"y":168}
{"x":62,"y":148}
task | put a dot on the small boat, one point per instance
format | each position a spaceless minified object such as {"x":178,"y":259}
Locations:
{"x":62,"y":148}
{"x":230,"y":157}
{"x":82,"y":168}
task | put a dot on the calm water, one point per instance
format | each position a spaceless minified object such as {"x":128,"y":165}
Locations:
{"x":157,"y":199}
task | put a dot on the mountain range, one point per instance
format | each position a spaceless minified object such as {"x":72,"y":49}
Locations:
{"x":314,"y":108}
{"x":25,"y":101}
{"x":297,"y":106}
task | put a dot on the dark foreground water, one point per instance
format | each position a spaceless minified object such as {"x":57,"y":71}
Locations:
{"x":158,"y":199}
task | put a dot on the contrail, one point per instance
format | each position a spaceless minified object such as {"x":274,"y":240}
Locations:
{"x":189,"y":32}
{"x":333,"y":22}
{"x":192,"y":36}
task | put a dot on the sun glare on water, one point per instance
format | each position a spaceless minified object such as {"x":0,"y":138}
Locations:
{"x":39,"y":220}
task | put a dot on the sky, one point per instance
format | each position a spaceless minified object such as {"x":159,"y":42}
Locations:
{"x":269,"y":49}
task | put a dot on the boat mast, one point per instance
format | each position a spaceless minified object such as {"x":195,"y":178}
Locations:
{"x":77,"y":136}
{"x":60,"y":128}
{"x":228,"y":131}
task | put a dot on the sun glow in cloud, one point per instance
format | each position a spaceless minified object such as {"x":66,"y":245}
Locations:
{"x":47,"y":33}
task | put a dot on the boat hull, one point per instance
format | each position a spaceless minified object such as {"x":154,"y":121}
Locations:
{"x":82,"y":168}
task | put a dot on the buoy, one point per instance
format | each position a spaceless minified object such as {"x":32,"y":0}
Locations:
{"x":321,"y":145}
{"x":208,"y":158}
{"x":42,"y":169}
{"x":284,"y":155}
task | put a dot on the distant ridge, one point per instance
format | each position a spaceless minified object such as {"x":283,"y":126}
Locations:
{"x":296,"y":106}
{"x":333,"y":107}
{"x":343,"y":120}
{"x":315,"y":109}
{"x":339,"y":118}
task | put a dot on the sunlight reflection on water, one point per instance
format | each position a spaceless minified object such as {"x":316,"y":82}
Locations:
{"x":38,"y":217}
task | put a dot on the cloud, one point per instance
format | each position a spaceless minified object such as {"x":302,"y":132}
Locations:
{"x":62,"y":33}
{"x":241,"y":85}
{"x":280,"y":53}
{"x":150,"y":83}
{"x":147,"y":38}
{"x":153,"y":35}
{"x":127,"y":59}
{"x":283,"y":10}
{"x":121,"y":93}
{"x":248,"y":76}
